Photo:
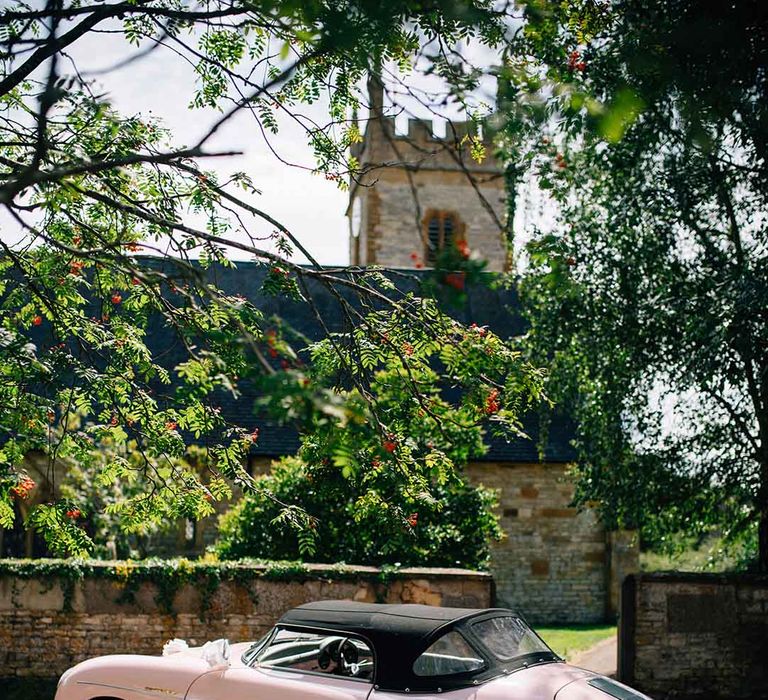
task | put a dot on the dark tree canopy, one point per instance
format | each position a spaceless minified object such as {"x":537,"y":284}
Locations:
{"x":648,"y":297}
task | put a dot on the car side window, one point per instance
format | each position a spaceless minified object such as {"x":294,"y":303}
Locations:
{"x":448,"y":655}
{"x":334,"y":654}
{"x":508,"y":637}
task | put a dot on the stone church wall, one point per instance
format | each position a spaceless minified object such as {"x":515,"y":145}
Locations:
{"x":396,"y":230}
{"x":553,"y":564}
{"x":417,"y":173}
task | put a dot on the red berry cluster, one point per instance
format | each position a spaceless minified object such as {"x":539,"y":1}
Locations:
{"x":463,"y":249}
{"x":23,"y":487}
{"x":575,"y":62}
{"x":417,"y":263}
{"x":492,"y":402}
{"x":271,"y":338}
{"x":74,"y":513}
{"x":413,"y":519}
{"x":457,"y":280}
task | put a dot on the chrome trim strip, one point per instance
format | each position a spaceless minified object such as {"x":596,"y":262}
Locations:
{"x":145,"y":691}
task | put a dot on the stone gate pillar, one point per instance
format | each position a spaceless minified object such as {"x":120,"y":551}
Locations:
{"x":623,"y":559}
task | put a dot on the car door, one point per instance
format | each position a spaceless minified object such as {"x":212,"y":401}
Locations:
{"x":293,"y":664}
{"x":243,"y":683}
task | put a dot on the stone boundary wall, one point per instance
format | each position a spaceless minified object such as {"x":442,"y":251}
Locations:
{"x":53,"y":616}
{"x":556,"y":564}
{"x":695,"y":635}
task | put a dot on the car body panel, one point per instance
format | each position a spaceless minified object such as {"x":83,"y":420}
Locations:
{"x":133,"y":677}
{"x":585,"y":689}
{"x":539,"y":682}
{"x":242,"y":683}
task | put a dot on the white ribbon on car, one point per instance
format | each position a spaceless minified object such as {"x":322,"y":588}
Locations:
{"x":216,"y":653}
{"x":174,"y":646}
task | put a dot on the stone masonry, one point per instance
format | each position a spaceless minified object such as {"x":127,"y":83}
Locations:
{"x":40,"y":637}
{"x":552,"y":566}
{"x":699,"y":636}
{"x":407,"y":177}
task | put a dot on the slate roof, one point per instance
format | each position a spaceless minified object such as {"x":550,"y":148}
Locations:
{"x":495,"y":308}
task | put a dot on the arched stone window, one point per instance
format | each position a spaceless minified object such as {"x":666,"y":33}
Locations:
{"x":441,"y":229}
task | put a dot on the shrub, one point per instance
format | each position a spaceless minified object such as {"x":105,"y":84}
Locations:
{"x":454,"y":529}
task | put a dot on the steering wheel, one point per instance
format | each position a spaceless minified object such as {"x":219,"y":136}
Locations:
{"x":343,"y":652}
{"x":327,"y":652}
{"x":348,"y":657}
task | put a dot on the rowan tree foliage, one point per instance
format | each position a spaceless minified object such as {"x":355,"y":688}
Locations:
{"x":84,"y":188}
{"x":350,"y":488}
{"x":646,"y":121}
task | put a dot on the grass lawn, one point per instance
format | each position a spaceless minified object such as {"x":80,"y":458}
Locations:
{"x":569,"y":641}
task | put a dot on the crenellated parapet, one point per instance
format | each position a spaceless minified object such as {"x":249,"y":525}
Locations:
{"x":420,"y":147}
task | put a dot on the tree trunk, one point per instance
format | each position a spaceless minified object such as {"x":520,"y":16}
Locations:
{"x":762,"y":523}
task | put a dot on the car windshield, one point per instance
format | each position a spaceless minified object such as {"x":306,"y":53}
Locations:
{"x":508,"y":637}
{"x":331,"y":653}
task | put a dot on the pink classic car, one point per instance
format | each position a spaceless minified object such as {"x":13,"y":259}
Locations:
{"x":339,"y":650}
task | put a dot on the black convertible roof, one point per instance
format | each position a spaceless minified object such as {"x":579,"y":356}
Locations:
{"x":399,"y":634}
{"x":406,"y":620}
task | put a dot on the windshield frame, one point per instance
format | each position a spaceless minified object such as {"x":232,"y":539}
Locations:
{"x":250,"y":655}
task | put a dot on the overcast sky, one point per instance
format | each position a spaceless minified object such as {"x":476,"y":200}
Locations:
{"x":162,"y":84}
{"x":307,"y":204}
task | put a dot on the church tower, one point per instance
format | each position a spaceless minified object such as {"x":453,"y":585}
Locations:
{"x":418,"y":193}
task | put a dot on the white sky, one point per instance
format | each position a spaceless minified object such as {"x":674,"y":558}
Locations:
{"x":162,"y":84}
{"x":307,"y":204}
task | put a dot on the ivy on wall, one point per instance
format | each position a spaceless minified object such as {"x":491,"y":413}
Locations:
{"x":168,"y":576}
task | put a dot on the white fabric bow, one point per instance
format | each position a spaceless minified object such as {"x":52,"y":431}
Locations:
{"x":174,"y":646}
